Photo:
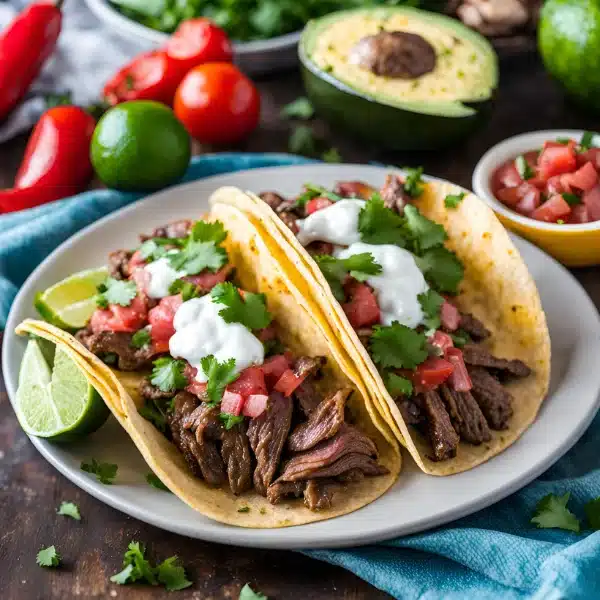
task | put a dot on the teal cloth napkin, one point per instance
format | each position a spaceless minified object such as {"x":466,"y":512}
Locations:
{"x":495,"y":553}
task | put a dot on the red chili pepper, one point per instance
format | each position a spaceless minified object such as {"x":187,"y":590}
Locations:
{"x":25,"y":45}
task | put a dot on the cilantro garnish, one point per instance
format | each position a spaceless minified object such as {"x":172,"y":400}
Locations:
{"x":243,"y":509}
{"x":151,"y":411}
{"x":332,"y":155}
{"x":172,"y":575}
{"x":397,"y":385}
{"x":413,"y":184}
{"x":592,"y":512}
{"x":251,"y":310}
{"x":551,"y":512}
{"x":48,"y":557}
{"x":318,"y":190}
{"x":248,"y":593}
{"x":360,"y":266}
{"x":167,"y":374}
{"x":453,"y":200}
{"x":424,"y":232}
{"x":186,"y":288}
{"x":460,"y":338}
{"x":562,"y":140}
{"x":431,"y":303}
{"x":116,"y":291}
{"x":154,"y":481}
{"x":302,"y":141}
{"x":105,"y":472}
{"x":300,"y":108}
{"x":230,"y":420}
{"x":69,"y":509}
{"x":571,"y":199}
{"x":380,"y":225}
{"x":156,"y":248}
{"x":141,"y":338}
{"x":441,"y":268}
{"x":397,"y":346}
{"x":220,"y":375}
{"x":587,"y":141}
{"x":523,"y":168}
{"x":205,"y":231}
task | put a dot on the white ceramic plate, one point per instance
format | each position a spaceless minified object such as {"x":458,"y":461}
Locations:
{"x":415,"y":502}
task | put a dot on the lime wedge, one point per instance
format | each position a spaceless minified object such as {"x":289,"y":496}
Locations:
{"x":57,"y":404}
{"x":69,"y":304}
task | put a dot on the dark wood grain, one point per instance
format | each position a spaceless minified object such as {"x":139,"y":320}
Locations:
{"x":30,"y":490}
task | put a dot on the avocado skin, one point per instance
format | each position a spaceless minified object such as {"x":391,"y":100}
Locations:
{"x":388,"y":126}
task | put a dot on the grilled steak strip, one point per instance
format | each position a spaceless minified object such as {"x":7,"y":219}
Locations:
{"x":177,"y":229}
{"x":411,"y":413}
{"x":267,"y":434}
{"x":474,"y":327}
{"x":493,"y":399}
{"x":348,"y":462}
{"x":118,"y":264}
{"x":151,"y":392}
{"x":119,"y":343}
{"x":319,"y":493}
{"x":479,"y":356}
{"x":442,"y":436}
{"x":235,"y":451}
{"x":393,"y":194}
{"x":280,"y":489}
{"x":324,"y":422}
{"x":354,"y":189}
{"x":466,"y":416}
{"x":307,"y":396}
{"x":273,"y":199}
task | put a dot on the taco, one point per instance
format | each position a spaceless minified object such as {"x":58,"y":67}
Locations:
{"x":209,"y":356}
{"x":432,"y":302}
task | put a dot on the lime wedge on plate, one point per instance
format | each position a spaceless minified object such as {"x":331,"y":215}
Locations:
{"x":56,"y":403}
{"x":69,"y":304}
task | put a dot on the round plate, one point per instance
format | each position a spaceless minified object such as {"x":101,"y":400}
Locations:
{"x":415,"y":502}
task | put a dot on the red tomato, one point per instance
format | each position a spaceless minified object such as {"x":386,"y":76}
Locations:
{"x":524,"y":195}
{"x":161,"y":320}
{"x":591,"y":200}
{"x":198,"y":41}
{"x":149,"y":76}
{"x":316,"y":204}
{"x":217,"y":104}
{"x":431,"y":373}
{"x":585,"y":178}
{"x":592,"y":155}
{"x":232,"y":403}
{"x":506,"y":176}
{"x":267,"y":333}
{"x":553,"y":209}
{"x":450,"y":316}
{"x":255,"y":405}
{"x":362,"y":310}
{"x":441,"y":340}
{"x":579,"y":214}
{"x":509,"y":196}
{"x":460,"y":379}
{"x":558,"y":184}
{"x":250,"y":381}
{"x":530,"y":201}
{"x":196,"y":388}
{"x":207,"y":281}
{"x":120,"y":318}
{"x":555,"y":160}
{"x":274,"y":367}
{"x":288,"y":382}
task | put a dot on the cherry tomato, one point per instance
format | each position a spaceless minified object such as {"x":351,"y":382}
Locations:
{"x":217,"y":104}
{"x":362,"y":310}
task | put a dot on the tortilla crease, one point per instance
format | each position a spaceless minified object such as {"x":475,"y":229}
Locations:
{"x":497,"y":288}
{"x":256,"y":271}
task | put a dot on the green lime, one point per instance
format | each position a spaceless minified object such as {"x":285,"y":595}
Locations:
{"x":69,"y":304}
{"x":58,"y":404}
{"x":140,"y":145}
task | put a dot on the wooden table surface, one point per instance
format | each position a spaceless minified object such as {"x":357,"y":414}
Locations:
{"x":30,"y":490}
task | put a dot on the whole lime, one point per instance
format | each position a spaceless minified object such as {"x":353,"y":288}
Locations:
{"x":569,"y":42}
{"x":140,"y":145}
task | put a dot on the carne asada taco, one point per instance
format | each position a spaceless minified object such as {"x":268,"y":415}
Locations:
{"x":432,"y":302}
{"x":213,"y":363}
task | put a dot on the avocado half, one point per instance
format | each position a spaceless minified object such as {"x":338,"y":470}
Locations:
{"x":427,"y":112}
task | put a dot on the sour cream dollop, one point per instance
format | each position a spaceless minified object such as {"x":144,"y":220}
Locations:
{"x":398,"y":285}
{"x":161,"y":277}
{"x":336,"y":224}
{"x":201,"y":331}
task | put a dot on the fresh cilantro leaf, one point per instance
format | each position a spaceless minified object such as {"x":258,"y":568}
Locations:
{"x":442,"y":269}
{"x":306,"y":196}
{"x":303,"y":141}
{"x":562,"y":140}
{"x":273,"y":347}
{"x":592,"y":512}
{"x":167,"y":374}
{"x":431,"y":303}
{"x":321,"y":191}
{"x":186,"y":288}
{"x":425,"y":233}
{"x":397,"y":385}
{"x":551,"y":512}
{"x":587,"y":141}
{"x":123,"y":576}
{"x":172,"y":575}
{"x":135,"y":566}
{"x":413,"y":184}
{"x":154,"y":481}
{"x":156,"y":248}
{"x":105,"y":472}
{"x":141,"y":338}
{"x":453,"y":200}
{"x":331,"y":155}
{"x":523,"y":168}
{"x":397,"y":346}
{"x":251,"y":310}
{"x":571,"y":199}
{"x":230,"y":420}
{"x":69,"y":509}
{"x":152,"y":412}
{"x":195,"y":257}
{"x":48,"y":557}
{"x":220,"y":375}
{"x":205,"y":231}
{"x":243,"y":509}
{"x":380,"y":225}
{"x":116,"y":291}
{"x":248,"y":593}
{"x":360,"y":266}
{"x":300,"y":108}
{"x":460,"y":338}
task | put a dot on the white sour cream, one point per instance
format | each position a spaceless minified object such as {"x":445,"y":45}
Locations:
{"x":201,"y":331}
{"x":161,"y":277}
{"x":398,"y":285}
{"x":336,"y":224}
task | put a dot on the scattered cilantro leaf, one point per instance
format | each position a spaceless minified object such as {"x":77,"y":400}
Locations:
{"x":331,"y":155}
{"x":413,"y":183}
{"x":105,"y":472}
{"x":300,"y":108}
{"x":305,"y":197}
{"x":186,"y":288}
{"x":453,"y":200}
{"x":123,"y":576}
{"x":48,"y":557}
{"x":151,"y":411}
{"x":116,"y":291}
{"x":247,"y":593}
{"x":397,"y":385}
{"x":460,"y":338}
{"x":155,"y":482}
{"x":205,"y":231}
{"x":302,"y":141}
{"x":587,"y":141}
{"x":424,"y":232}
{"x":523,"y":168}
{"x":243,"y":509}
{"x":360,"y":266}
{"x":167,"y":374}
{"x":135,"y":566}
{"x":571,"y":199}
{"x":397,"y":346}
{"x":592,"y":512}
{"x":141,"y":338}
{"x":380,"y":225}
{"x":551,"y":512}
{"x":69,"y":509}
{"x":431,"y":304}
{"x":321,"y":191}
{"x":156,"y":248}
{"x":195,"y":257}
{"x":442,"y":269}
{"x":220,"y":375}
{"x":230,"y":420}
{"x":251,"y":310}
{"x":172,"y":575}
{"x":562,"y":140}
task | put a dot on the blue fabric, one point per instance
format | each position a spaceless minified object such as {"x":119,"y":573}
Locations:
{"x":495,"y":553}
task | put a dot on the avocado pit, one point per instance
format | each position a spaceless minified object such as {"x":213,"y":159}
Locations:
{"x":396,"y":54}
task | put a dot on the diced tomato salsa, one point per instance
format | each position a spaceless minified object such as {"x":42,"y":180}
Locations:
{"x":558,"y":183}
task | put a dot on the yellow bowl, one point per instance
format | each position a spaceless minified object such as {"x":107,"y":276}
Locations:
{"x":572,"y":245}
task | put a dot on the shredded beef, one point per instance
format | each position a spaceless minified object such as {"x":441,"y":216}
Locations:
{"x":478,"y":356}
{"x":351,"y":476}
{"x":466,"y":416}
{"x":319,"y":248}
{"x":411,"y":413}
{"x":323,"y":423}
{"x":151,"y":392}
{"x":308,"y":365}
{"x":280,"y":489}
{"x":493,"y":399}
{"x":290,"y":220}
{"x":393,"y":194}
{"x":177,"y":229}
{"x":119,"y":343}
{"x":354,"y":189}
{"x":267,"y":434}
{"x":474,"y":327}
{"x":319,"y":493}
{"x":349,"y":462}
{"x":273,"y":199}
{"x":442,"y":436}
{"x":204,"y":422}
{"x":235,"y":451}
{"x":308,"y":397}
{"x":118,"y":264}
